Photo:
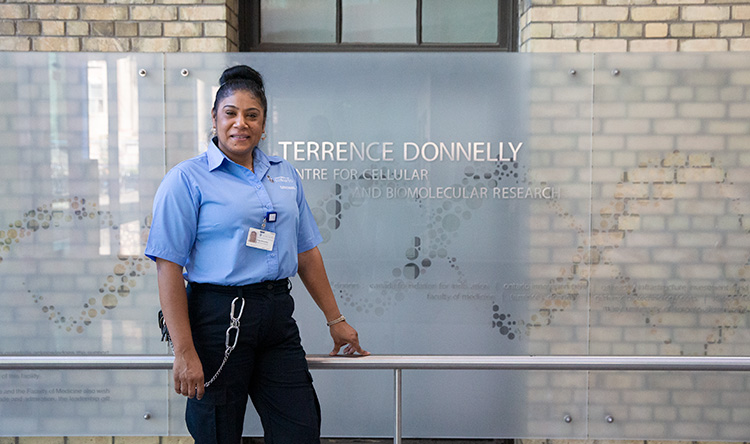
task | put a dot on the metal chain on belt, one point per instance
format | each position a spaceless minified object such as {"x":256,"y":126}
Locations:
{"x":234,"y":326}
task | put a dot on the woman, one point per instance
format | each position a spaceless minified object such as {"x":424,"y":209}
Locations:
{"x":238,"y":223}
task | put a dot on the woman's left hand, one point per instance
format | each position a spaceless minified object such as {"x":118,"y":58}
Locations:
{"x":344,"y":335}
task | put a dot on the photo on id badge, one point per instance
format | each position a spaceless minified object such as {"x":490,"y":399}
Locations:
{"x":257,"y":238}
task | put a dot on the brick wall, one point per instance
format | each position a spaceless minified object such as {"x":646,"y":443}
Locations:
{"x":212,"y":25}
{"x":119,"y":26}
{"x":634,"y":25}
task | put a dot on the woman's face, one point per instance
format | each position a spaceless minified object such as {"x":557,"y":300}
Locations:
{"x":239,"y":123}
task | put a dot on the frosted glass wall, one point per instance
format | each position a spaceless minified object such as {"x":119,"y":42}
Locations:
{"x":482,"y":203}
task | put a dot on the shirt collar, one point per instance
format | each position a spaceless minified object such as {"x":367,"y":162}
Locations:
{"x":215,"y":156}
{"x":261,"y":161}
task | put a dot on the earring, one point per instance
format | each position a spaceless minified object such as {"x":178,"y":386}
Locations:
{"x":263,"y":136}
{"x":213,"y":131}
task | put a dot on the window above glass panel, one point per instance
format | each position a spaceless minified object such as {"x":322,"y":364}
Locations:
{"x":378,"y":21}
{"x":309,"y":21}
{"x":378,"y":25}
{"x":449,"y":21}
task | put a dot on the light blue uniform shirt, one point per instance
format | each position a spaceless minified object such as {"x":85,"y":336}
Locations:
{"x":205,"y":207}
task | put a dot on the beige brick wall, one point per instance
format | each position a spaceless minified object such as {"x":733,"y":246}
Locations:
{"x":634,"y":25}
{"x":212,"y":25}
{"x":119,"y":26}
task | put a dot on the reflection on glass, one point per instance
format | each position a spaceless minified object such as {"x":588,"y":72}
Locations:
{"x":298,"y":21}
{"x":58,"y":155}
{"x":203,"y":107}
{"x":98,"y":132}
{"x":378,"y":21}
{"x":447,"y":21}
{"x":129,"y":151}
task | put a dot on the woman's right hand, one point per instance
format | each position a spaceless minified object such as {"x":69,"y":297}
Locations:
{"x":188,"y":375}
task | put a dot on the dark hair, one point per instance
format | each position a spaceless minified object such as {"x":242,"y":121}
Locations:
{"x":241,"y":78}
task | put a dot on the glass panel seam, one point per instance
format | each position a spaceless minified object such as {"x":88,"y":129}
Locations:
{"x":587,"y":407}
{"x":164,"y":110}
{"x":419,"y":22}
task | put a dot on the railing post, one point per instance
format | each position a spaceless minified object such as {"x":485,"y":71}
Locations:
{"x":397,"y":405}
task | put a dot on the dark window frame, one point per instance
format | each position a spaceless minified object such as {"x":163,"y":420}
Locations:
{"x":250,"y":23}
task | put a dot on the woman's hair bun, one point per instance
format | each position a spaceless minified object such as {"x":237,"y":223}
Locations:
{"x":241,"y":72}
{"x":241,"y":78}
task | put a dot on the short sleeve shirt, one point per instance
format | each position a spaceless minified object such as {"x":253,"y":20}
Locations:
{"x":204,"y":210}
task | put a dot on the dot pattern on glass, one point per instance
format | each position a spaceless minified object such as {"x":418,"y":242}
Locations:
{"x":114,"y":287}
{"x":502,"y":321}
{"x":425,"y":249}
{"x":376,"y":306}
{"x":447,"y":219}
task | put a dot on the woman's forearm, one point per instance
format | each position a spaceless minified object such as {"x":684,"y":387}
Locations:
{"x":173,"y":300}
{"x":313,"y":274}
{"x":187,"y":368}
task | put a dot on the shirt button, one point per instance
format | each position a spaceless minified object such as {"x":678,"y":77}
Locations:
{"x":269,"y":286}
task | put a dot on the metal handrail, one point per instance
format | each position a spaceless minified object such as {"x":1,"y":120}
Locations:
{"x":403,"y":362}
{"x":398,"y":363}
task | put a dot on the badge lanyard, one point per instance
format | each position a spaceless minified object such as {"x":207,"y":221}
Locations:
{"x":260,"y":238}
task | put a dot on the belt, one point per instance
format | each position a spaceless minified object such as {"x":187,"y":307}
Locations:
{"x":235,"y":289}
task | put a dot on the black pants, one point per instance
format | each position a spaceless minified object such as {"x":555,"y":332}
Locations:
{"x":268,"y":364}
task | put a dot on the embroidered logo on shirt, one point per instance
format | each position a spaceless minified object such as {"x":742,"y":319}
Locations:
{"x":281,"y":179}
{"x":284,"y":180}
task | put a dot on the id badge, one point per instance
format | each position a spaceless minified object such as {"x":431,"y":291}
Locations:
{"x":262,"y":239}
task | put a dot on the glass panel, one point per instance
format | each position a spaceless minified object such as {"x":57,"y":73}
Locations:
{"x":550,"y":296}
{"x":298,"y":21}
{"x":435,"y":164}
{"x":446,"y":21}
{"x":84,"y":403}
{"x":482,"y":203}
{"x":670,"y":187}
{"x":379,"y":21}
{"x":82,"y":149}
{"x":706,"y":406}
{"x":416,"y":169}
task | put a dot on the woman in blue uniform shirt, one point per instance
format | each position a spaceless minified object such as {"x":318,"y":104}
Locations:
{"x":237,"y":222}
